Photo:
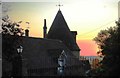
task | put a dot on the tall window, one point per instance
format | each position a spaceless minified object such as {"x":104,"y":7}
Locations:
{"x":62,"y":63}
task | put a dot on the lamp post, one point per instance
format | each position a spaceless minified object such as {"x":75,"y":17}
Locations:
{"x":20,"y":50}
{"x":17,"y":63}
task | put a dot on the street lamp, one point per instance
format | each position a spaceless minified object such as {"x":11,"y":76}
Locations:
{"x":17,"y":63}
{"x":20,"y":49}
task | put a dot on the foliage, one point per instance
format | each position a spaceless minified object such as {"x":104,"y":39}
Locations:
{"x":9,"y":46}
{"x":11,"y":28}
{"x":10,"y":38}
{"x":109,"y":44}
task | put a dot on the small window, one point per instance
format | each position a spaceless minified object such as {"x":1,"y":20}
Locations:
{"x":60,"y":70}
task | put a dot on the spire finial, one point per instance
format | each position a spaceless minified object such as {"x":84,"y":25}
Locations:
{"x":59,"y":5}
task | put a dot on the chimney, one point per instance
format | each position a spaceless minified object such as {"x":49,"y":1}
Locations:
{"x":27,"y":32}
{"x":44,"y":29}
{"x":74,"y":33}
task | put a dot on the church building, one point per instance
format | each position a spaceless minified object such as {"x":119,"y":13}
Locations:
{"x":57,"y":54}
{"x":60,"y":31}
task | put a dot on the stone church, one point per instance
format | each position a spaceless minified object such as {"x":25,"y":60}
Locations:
{"x":60,"y":31}
{"x":42,"y":56}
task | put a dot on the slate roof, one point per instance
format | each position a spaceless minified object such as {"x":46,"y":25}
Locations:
{"x":39,"y":52}
{"x":59,"y":30}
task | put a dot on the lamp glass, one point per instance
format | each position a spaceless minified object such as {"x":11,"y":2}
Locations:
{"x":20,"y":49}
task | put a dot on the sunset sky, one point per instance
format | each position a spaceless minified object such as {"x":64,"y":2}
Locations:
{"x":87,"y":17}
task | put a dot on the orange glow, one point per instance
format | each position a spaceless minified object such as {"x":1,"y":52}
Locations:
{"x":88,"y":47}
{"x":80,"y":16}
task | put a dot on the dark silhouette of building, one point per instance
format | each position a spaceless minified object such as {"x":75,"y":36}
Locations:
{"x":40,"y":56}
{"x":60,"y":31}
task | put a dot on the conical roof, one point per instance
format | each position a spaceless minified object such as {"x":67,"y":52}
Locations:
{"x":59,"y":30}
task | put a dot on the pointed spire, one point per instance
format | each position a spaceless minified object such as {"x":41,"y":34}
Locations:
{"x":60,"y":30}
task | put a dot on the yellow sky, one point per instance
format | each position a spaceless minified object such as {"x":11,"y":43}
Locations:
{"x":86,"y":17}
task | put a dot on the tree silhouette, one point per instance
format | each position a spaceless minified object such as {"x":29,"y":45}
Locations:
{"x":10,"y":37}
{"x":109,"y":45}
{"x":10,"y":41}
